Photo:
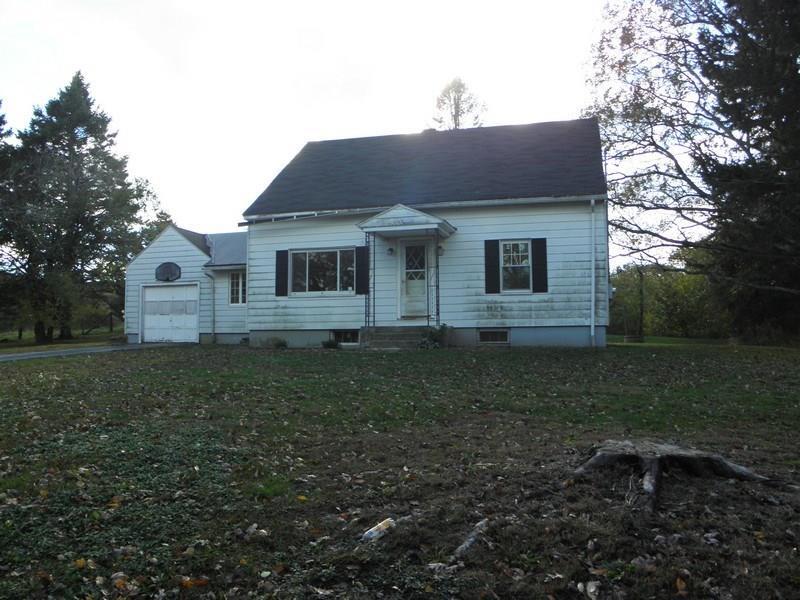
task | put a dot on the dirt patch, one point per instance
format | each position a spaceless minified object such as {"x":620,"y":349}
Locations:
{"x":547,"y":534}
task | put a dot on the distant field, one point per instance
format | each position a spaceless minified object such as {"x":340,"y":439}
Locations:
{"x":663,"y":340}
{"x":139,"y":472}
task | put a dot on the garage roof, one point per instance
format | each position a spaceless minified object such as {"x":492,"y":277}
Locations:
{"x":223,"y":249}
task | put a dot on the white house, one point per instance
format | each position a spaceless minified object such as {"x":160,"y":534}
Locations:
{"x":501,"y":233}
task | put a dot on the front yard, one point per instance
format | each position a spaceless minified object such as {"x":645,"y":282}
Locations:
{"x":186,"y":471}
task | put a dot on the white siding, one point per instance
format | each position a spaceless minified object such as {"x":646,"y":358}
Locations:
{"x":464,"y":303}
{"x":169,"y":246}
{"x":265,"y":310}
{"x":230,"y":318}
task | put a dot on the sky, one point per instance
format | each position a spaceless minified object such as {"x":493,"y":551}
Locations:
{"x":212,"y":99}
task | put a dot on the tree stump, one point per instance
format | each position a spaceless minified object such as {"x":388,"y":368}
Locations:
{"x":652,"y":458}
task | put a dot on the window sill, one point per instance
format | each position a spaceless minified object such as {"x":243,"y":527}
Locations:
{"x":320,"y":294}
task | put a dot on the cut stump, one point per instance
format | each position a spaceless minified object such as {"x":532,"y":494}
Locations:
{"x":652,"y":458}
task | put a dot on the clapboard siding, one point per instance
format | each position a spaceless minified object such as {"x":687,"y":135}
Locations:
{"x":464,"y":303}
{"x":169,"y":246}
{"x":229,"y":318}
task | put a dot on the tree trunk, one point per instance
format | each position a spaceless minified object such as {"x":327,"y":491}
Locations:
{"x":652,"y":458}
{"x":641,"y":302}
{"x":39,"y":333}
{"x":19,"y":333}
{"x":65,"y":332}
{"x":42,"y":335}
{"x":110,"y":322}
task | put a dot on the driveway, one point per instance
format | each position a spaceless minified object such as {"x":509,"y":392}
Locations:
{"x":76,"y":351}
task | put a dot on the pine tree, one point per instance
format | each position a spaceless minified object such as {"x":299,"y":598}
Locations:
{"x":71,"y":207}
{"x":697,"y":102}
{"x":752,"y":53}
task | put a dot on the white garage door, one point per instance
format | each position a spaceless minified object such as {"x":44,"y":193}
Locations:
{"x":170,"y":313}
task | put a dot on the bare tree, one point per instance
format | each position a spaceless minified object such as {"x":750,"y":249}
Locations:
{"x":690,"y":139}
{"x":457,"y":107}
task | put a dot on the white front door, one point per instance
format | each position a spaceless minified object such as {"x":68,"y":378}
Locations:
{"x":170,"y":313}
{"x":414,"y":279}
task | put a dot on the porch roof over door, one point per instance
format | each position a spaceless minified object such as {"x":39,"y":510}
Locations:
{"x":402,"y":221}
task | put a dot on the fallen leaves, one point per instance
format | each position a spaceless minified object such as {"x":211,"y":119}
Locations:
{"x":681,"y":588}
{"x":188,"y":583}
{"x":189,"y":455}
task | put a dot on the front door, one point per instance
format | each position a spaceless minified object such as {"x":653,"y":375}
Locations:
{"x":414,"y":280}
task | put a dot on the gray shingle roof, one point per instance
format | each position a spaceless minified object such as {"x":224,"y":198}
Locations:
{"x":556,"y":159}
{"x":197,"y":239}
{"x":228,"y":248}
{"x":223,"y":248}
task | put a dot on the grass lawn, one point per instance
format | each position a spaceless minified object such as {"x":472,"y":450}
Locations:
{"x":184,"y":471}
{"x":9,"y":343}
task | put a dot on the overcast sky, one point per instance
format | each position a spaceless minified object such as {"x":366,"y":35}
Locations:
{"x":212,"y":99}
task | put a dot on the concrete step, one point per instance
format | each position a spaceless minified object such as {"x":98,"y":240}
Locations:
{"x":393,"y":337}
{"x":393,"y":330}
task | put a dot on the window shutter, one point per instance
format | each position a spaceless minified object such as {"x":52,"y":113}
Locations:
{"x":362,"y":270}
{"x":539,"y":263}
{"x":282,"y":273}
{"x":491,"y":258}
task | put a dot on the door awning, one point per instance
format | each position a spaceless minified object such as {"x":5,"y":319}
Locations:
{"x":402,"y":221}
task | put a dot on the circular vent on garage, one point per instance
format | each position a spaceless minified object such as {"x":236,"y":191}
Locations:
{"x":168,"y":271}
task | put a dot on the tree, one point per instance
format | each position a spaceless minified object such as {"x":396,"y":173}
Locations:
{"x":456,"y":107}
{"x":752,"y":56}
{"x":70,"y":208}
{"x":697,"y":105}
{"x":652,"y":300}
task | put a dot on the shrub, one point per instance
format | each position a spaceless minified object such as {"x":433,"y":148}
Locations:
{"x":330,"y":344}
{"x":436,"y":337}
{"x":276,"y":342}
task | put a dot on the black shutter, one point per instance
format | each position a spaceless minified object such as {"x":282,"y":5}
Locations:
{"x":282,"y":273}
{"x":491,"y":258}
{"x":539,"y":252}
{"x":362,"y":270}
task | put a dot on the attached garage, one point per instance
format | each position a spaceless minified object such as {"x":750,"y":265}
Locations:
{"x":170,"y":313}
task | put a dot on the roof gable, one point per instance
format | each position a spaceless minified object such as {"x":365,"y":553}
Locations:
{"x":198,"y":240}
{"x":556,"y":159}
{"x":402,"y":220}
{"x":169,"y":227}
{"x":400,"y":215}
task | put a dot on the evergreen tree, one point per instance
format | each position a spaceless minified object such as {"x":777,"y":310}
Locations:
{"x":752,"y":54}
{"x":70,"y":208}
{"x":697,"y":105}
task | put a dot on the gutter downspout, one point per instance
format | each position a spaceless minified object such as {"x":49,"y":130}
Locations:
{"x":213,"y":306}
{"x":593,"y":301}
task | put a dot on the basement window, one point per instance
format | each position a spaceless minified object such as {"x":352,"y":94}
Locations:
{"x":345,"y":336}
{"x":493,"y":336}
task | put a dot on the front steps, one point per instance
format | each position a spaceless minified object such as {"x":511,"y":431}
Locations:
{"x":393,"y":338}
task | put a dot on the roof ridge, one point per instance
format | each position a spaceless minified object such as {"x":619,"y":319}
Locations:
{"x":432,"y":131}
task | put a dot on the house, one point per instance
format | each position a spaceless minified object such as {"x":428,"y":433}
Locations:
{"x":499,"y":232}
